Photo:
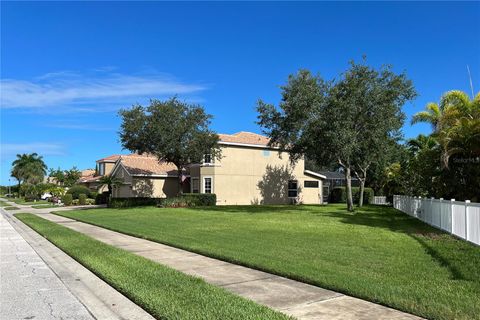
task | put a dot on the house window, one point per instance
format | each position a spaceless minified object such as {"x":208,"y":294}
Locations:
{"x":101,"y":169}
{"x":310,"y":184}
{"x":195,"y":185}
{"x":207,"y":159}
{"x":292,"y":188}
{"x":207,"y":185}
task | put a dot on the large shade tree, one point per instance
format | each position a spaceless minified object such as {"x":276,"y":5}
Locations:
{"x":346,"y":122}
{"x":376,"y":98}
{"x":29,"y":168}
{"x":174,"y":131}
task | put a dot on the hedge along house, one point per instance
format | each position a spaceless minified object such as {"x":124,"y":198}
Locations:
{"x":249,"y":172}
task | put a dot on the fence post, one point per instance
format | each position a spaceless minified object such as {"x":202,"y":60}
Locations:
{"x":441,"y":207}
{"x":419,"y":209}
{"x":466,"y":218}
{"x":430,"y":214}
{"x":451,"y":215}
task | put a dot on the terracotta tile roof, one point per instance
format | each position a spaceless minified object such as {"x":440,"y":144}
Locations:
{"x":245,"y":138}
{"x":146,"y":164}
{"x":89,"y":178}
{"x":113,"y":157}
{"x":87,"y":173}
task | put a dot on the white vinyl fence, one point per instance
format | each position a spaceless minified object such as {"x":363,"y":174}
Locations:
{"x":380,"y":200}
{"x":461,"y":218}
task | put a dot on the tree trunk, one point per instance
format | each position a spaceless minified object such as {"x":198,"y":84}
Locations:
{"x":362,"y":188}
{"x":180,"y":181}
{"x":348,"y":177}
{"x":362,"y":180}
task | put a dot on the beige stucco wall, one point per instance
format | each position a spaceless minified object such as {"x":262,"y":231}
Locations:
{"x":257,"y":176}
{"x":157,"y":187}
{"x":109,"y":167}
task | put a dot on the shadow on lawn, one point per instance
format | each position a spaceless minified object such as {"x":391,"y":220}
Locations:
{"x":390,"y":219}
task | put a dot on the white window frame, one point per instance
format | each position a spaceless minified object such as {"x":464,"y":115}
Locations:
{"x":211,"y":183}
{"x":212,"y":160}
{"x":288,"y":189}
{"x":191,"y":184}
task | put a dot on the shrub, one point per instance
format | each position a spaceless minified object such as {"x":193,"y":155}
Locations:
{"x":177,"y":202}
{"x":93,"y":194}
{"x":132,"y":202}
{"x":186,"y":200}
{"x":89,"y":201}
{"x":67,"y":199}
{"x":200,"y":199}
{"x":75,"y":191}
{"x":339,"y":195}
{"x":75,"y":202}
{"x":82,"y":197}
{"x":101,"y":198}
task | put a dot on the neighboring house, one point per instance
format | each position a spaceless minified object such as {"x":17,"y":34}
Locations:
{"x":335,"y":179}
{"x":144,"y":176}
{"x":249,"y":172}
{"x":90,"y":178}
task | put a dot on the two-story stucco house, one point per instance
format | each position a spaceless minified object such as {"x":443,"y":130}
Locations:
{"x":249,"y":172}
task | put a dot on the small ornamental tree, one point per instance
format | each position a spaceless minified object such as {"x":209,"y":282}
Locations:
{"x":174,"y":131}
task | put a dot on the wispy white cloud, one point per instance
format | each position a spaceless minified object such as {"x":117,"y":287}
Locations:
{"x":8,"y":150}
{"x":86,"y":92}
{"x":78,"y":126}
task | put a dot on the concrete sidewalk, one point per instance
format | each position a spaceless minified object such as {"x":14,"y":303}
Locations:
{"x":294,"y":298}
{"x":66,"y":289}
{"x":29,"y":289}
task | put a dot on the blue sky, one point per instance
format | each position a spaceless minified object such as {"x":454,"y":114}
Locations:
{"x":67,"y":67}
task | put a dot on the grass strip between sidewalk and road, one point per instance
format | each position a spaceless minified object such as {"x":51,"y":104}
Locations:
{"x":44,"y":206}
{"x":11,"y":208}
{"x":163,"y":292}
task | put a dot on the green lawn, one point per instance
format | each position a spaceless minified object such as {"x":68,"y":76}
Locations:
{"x":162,"y":291}
{"x":3,"y":204}
{"x":378,"y":254}
{"x":27,"y":203}
{"x":43,"y":206}
{"x":11,"y":208}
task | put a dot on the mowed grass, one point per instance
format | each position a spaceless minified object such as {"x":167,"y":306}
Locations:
{"x":160,"y":290}
{"x":378,"y":253}
{"x":43,"y":206}
{"x":23,"y":202}
{"x":11,"y":208}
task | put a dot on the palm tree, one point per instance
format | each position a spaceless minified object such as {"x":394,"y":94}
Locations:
{"x":456,"y":123}
{"x":110,"y":181}
{"x":440,"y":115}
{"x":421,"y":143}
{"x":29,"y":168}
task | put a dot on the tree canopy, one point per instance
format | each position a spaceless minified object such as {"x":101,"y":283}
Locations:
{"x":348,"y":121}
{"x":29,"y":168}
{"x":174,"y":131}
